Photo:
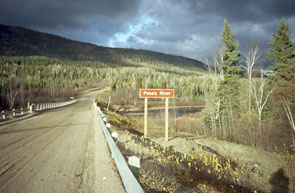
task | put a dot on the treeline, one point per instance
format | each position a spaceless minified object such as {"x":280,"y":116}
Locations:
{"x":251,"y":110}
{"x":31,"y":79}
{"x":128,"y":81}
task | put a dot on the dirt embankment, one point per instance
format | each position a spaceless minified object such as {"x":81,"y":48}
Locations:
{"x":189,"y":163}
{"x":204,"y":164}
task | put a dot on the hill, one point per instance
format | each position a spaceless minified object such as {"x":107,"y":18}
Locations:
{"x":19,"y":41}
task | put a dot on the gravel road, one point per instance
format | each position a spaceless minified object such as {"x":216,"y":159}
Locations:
{"x":61,"y":150}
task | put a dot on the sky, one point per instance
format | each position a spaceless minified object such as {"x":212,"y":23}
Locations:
{"x":190,"y":28}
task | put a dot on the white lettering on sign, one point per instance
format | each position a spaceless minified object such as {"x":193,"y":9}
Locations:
{"x":150,"y":93}
{"x":164,"y":93}
{"x":156,"y":93}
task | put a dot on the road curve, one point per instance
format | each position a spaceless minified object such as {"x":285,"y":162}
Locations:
{"x":62,"y":150}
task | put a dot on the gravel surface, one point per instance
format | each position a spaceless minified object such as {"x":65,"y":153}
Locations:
{"x":61,"y":150}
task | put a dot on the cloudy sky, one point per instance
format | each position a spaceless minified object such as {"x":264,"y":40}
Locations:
{"x":190,"y":28}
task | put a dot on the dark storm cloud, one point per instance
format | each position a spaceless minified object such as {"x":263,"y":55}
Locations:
{"x":247,"y":10}
{"x":190,"y":28}
{"x":69,"y":13}
{"x":61,"y":17}
{"x":193,"y":27}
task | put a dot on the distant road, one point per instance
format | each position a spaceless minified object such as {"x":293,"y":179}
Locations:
{"x":62,"y":150}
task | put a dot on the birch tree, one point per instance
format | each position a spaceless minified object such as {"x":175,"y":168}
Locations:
{"x":288,"y":111}
{"x":251,"y":55}
{"x":216,"y":75}
{"x":12,"y":89}
{"x":261,"y":97}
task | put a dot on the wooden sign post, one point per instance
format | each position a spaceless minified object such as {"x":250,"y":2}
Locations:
{"x":156,"y":93}
{"x":145,"y":117}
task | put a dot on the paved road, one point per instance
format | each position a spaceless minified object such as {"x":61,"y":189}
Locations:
{"x":61,"y":150}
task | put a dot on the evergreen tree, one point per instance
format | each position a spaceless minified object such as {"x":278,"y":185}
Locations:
{"x":230,"y":55}
{"x":282,"y":48}
{"x":282,"y":53}
{"x":228,"y":88}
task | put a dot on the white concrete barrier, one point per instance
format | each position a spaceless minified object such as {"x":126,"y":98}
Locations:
{"x":134,"y":161}
{"x":3,"y":115}
{"x":115,"y":134}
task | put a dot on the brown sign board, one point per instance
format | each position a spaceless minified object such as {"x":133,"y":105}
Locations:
{"x":156,"y":93}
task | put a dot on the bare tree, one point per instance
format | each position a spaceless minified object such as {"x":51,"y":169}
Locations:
{"x":288,"y":111}
{"x":216,"y":74}
{"x":12,"y":89}
{"x":29,"y":78}
{"x":216,"y":69}
{"x":252,"y":54}
{"x":11,"y":95}
{"x":261,"y":98}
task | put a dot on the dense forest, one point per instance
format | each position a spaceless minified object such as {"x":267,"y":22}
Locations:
{"x":255,"y":109}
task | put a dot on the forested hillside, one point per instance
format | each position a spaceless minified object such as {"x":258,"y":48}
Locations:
{"x":18,"y":41}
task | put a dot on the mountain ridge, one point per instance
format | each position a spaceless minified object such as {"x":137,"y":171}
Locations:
{"x":20,"y":41}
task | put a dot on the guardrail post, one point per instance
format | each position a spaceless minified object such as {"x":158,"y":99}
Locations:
{"x":13,"y":112}
{"x":21,"y":111}
{"x":3,"y":114}
{"x":31,"y":108}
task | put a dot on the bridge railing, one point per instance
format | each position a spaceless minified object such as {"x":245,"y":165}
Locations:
{"x":33,"y":107}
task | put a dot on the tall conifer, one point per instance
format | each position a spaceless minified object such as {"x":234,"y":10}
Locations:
{"x":229,"y":87}
{"x":281,"y":52}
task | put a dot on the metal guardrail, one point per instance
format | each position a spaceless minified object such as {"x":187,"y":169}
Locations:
{"x":129,"y":181}
{"x":35,"y":107}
